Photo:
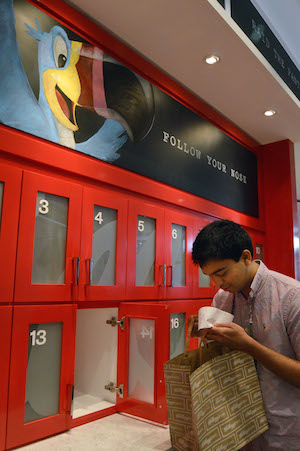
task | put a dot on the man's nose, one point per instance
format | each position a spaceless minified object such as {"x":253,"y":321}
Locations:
{"x":217,"y":281}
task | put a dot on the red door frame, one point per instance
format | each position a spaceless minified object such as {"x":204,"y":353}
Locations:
{"x":25,"y":291}
{"x":160,"y":312}
{"x":9,"y":221}
{"x":189,"y":307}
{"x":156,"y":311}
{"x":157,"y":291}
{"x":19,"y":433}
{"x":119,"y":202}
{"x":5,"y":340}
{"x":173,"y":216}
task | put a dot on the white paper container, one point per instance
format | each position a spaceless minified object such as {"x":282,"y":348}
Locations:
{"x":208,"y":316}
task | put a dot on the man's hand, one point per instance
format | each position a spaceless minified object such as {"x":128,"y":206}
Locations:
{"x":232,"y":335}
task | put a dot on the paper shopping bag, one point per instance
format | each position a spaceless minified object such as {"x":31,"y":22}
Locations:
{"x":178,"y":391}
{"x":227,"y":402}
{"x":213,"y":398}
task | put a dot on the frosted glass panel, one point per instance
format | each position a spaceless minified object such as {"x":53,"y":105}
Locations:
{"x":43,"y":371}
{"x":145,"y":251}
{"x":177,"y":334}
{"x":1,"y":199}
{"x":178,"y":255}
{"x":141,"y":359}
{"x":104,"y":246}
{"x":50,"y":237}
{"x":204,"y":280}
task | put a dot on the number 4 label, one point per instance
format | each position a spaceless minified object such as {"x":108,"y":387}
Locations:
{"x":98,"y":217}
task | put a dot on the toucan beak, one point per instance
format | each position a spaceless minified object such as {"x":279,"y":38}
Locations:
{"x":112,"y":91}
{"x":90,"y":71}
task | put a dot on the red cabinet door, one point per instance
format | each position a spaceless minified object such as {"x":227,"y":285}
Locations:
{"x":41,"y":372}
{"x":5,"y":340}
{"x":143,"y":348}
{"x":10,"y":191}
{"x":179,"y":313}
{"x":49,"y":240}
{"x":103,"y":245}
{"x":179,"y":234}
{"x":145,"y":251}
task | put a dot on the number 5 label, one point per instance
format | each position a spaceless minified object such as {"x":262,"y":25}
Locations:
{"x":141,"y":225}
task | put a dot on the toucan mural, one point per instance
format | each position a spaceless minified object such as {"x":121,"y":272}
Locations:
{"x":56,"y":85}
{"x":87,"y":101}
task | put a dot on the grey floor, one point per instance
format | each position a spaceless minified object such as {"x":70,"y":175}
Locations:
{"x":116,"y":432}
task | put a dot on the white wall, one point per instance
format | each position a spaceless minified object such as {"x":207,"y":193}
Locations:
{"x":297,"y":165}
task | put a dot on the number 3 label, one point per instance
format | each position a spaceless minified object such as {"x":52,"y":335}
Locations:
{"x":44,"y":209}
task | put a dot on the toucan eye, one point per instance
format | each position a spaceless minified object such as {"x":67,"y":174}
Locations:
{"x":60,"y":51}
{"x":61,"y":60}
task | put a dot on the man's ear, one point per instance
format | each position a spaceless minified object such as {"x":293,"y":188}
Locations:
{"x":246,"y":256}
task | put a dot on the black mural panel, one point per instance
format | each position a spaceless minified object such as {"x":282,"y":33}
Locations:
{"x":59,"y":87}
{"x":222,"y":2}
{"x":187,"y":152}
{"x":250,"y":21}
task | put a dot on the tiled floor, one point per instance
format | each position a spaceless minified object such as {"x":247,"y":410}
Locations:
{"x":113,"y":433}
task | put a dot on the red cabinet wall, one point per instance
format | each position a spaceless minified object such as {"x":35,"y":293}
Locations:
{"x":10,"y":181}
{"x":5,"y":339}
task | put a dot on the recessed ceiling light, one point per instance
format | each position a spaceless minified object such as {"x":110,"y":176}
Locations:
{"x":212,"y":59}
{"x":269,"y":113}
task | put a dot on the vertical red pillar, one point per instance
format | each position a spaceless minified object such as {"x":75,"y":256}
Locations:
{"x":280,"y":204}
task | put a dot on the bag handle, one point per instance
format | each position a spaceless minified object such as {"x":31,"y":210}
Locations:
{"x":191,"y":322}
{"x":193,"y":319}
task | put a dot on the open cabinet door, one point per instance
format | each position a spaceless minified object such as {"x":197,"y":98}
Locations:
{"x":95,"y":363}
{"x":41,"y":372}
{"x":143,"y":348}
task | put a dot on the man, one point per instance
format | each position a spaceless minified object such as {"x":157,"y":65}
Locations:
{"x":266,"y":308}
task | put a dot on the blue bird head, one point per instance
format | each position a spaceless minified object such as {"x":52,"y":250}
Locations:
{"x":72,"y":79}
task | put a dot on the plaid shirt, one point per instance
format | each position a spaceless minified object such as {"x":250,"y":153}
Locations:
{"x":275,"y":302}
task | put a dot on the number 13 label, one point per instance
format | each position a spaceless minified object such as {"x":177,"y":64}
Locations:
{"x":38,"y":337}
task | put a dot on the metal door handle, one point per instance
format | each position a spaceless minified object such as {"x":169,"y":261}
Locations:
{"x":70,"y":398}
{"x":164,"y":267}
{"x":76,"y":267}
{"x":171,"y":282}
{"x":91,"y":269}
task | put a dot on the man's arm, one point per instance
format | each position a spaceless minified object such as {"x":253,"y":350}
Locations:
{"x":235,"y":337}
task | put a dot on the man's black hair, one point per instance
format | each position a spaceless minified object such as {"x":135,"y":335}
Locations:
{"x":221,"y":240}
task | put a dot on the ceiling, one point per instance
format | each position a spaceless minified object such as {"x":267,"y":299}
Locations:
{"x":176,"y":36}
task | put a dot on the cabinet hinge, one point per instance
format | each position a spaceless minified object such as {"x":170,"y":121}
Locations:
{"x":113,"y":322}
{"x":112,"y":388}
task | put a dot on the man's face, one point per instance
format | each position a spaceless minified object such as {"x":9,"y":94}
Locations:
{"x":228,"y":274}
